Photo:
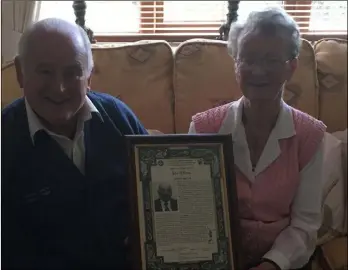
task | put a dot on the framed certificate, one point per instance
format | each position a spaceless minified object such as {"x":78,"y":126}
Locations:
{"x":183,"y":202}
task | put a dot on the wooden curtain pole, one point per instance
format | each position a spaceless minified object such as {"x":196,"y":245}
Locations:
{"x":232,"y":16}
{"x":80,"y":13}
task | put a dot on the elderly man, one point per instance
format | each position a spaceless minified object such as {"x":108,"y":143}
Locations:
{"x":64,"y":185}
{"x":165,"y":202}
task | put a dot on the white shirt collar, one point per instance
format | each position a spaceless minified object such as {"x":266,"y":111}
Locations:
{"x":232,"y":123}
{"x":35,"y":124}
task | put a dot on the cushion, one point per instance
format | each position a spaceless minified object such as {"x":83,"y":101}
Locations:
{"x":10,"y":89}
{"x":203,"y":78}
{"x":140,"y":74}
{"x":331,"y":57}
{"x":333,"y":255}
{"x":301,"y":91}
{"x":333,"y":191}
{"x":342,"y":136}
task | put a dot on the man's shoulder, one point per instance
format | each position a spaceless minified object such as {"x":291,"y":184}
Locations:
{"x":117,"y":111}
{"x":12,"y":113}
{"x":104,"y":99}
{"x":110,"y":103}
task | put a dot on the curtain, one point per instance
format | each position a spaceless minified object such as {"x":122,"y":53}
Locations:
{"x":25,"y":13}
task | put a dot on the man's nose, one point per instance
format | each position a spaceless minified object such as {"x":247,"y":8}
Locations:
{"x":59,"y":83}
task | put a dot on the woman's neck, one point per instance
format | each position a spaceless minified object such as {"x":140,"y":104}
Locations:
{"x":261,"y":114}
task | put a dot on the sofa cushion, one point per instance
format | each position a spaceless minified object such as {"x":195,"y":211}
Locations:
{"x":301,"y":91}
{"x":203,"y":78}
{"x":333,"y":255}
{"x":342,"y":136}
{"x":333,"y":191}
{"x":10,"y":89}
{"x":331,"y":57}
{"x":140,"y":74}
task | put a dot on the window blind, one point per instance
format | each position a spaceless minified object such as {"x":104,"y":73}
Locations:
{"x":182,"y":18}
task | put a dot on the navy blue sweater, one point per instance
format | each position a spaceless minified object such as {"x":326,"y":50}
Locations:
{"x":54,"y":217}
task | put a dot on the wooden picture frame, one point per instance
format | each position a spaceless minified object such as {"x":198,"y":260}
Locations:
{"x":200,"y":230}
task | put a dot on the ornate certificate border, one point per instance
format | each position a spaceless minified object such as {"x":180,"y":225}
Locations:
{"x":208,"y":150}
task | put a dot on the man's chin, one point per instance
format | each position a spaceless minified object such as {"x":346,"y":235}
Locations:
{"x":59,"y":120}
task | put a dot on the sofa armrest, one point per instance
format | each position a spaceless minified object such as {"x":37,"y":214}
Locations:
{"x":333,"y":254}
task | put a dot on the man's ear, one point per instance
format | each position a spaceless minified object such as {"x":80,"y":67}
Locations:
{"x":19,"y":72}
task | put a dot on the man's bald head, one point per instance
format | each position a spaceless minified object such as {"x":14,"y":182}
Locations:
{"x":54,"y":27}
{"x":165,"y":191}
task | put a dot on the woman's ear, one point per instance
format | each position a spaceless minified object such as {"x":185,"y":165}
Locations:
{"x":292,"y":68}
{"x":19,"y":71}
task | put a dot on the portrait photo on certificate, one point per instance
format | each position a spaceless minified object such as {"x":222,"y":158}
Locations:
{"x":184,"y":215}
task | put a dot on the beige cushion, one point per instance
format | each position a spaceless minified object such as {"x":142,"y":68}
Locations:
{"x":334,"y":254}
{"x":10,"y":89}
{"x":301,"y":91}
{"x":334,"y":211}
{"x":331,"y":57}
{"x":140,"y":74}
{"x":342,"y":136}
{"x":203,"y":78}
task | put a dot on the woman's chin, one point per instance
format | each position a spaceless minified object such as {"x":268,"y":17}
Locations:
{"x":260,"y":93}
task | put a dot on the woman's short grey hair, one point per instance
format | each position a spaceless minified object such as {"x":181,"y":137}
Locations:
{"x":60,"y":26}
{"x":271,"y":21}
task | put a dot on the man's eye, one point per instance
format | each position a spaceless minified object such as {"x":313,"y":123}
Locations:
{"x":73,"y":73}
{"x":45,"y":72}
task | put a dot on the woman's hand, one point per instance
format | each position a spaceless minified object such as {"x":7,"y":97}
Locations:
{"x":264,"y":266}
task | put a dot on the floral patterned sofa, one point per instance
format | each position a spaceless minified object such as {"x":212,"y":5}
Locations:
{"x":165,"y":86}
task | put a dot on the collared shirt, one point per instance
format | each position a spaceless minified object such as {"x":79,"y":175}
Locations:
{"x":294,"y":245}
{"x":75,"y":148}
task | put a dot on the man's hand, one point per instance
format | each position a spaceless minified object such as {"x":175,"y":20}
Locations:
{"x":264,"y":266}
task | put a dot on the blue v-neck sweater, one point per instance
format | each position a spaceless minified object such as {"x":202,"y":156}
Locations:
{"x":54,"y":217}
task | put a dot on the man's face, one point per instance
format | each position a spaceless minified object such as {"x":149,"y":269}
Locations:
{"x":165,"y":193}
{"x":54,"y":80}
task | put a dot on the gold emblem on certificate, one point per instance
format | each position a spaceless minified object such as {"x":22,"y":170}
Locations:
{"x":183,"y":201}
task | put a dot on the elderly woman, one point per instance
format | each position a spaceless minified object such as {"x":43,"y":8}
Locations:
{"x":277,"y":149}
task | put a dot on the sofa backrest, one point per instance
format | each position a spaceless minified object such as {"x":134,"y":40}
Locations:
{"x":165,"y":87}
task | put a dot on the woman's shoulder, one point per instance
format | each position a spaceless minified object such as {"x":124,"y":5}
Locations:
{"x":211,"y":119}
{"x":305,"y":123}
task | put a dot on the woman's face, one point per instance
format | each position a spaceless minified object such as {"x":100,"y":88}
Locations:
{"x":263,"y":65}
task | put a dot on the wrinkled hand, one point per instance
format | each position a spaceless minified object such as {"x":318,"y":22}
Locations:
{"x":264,"y":266}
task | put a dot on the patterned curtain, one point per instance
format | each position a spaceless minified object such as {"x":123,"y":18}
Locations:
{"x":24,"y":14}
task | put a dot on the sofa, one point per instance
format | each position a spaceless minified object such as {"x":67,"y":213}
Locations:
{"x":165,"y":85}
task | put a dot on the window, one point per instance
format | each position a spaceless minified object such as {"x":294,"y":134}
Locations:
{"x":180,"y":20}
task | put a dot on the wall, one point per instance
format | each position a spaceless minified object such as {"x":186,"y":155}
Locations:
{"x":9,"y":38}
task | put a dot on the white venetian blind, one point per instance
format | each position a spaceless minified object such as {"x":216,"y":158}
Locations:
{"x":180,"y":18}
